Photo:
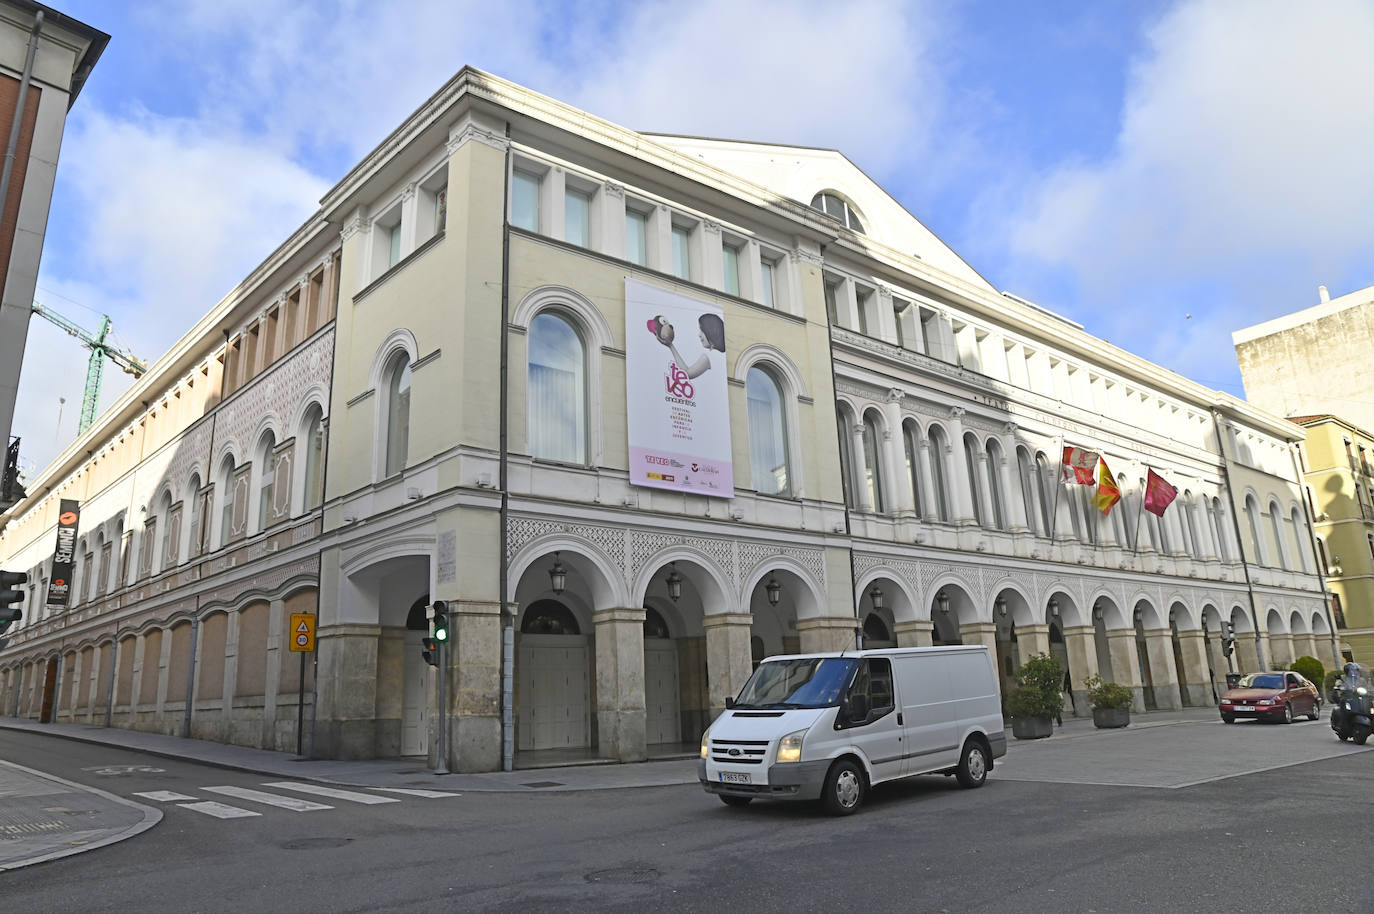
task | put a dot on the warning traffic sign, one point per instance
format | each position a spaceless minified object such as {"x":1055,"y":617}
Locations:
{"x":302,"y":632}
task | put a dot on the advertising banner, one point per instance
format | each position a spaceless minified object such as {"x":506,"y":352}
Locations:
{"x":64,"y":556}
{"x":677,"y":400}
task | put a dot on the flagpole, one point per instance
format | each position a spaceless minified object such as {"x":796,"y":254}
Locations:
{"x":1058,"y":484}
{"x":1139,"y":516}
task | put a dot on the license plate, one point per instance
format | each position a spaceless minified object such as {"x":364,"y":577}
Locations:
{"x":731,"y":777}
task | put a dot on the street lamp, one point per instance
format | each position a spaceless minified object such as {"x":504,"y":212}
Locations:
{"x":674,"y":582}
{"x":774,"y":591}
{"x":942,"y":599}
{"x":558,"y":575}
{"x":1054,"y":608}
{"x":1001,"y":605}
{"x":876,"y":595}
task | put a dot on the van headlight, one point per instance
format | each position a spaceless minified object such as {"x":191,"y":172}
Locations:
{"x":789,"y":749}
{"x":705,"y":744}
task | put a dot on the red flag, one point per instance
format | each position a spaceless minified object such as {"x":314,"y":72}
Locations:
{"x":1083,"y":463}
{"x":1108,"y":494}
{"x":1159,"y":494}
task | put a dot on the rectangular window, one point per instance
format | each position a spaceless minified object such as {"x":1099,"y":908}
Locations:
{"x":682,"y":252}
{"x":636,"y":237}
{"x":863,"y":298}
{"x":577,"y":218}
{"x":524,"y":202}
{"x":393,"y":256}
{"x":730,"y":266}
{"x":766,"y":278}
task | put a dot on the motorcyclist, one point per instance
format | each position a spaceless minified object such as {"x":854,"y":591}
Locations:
{"x":1353,"y":678}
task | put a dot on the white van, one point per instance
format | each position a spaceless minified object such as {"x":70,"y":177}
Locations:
{"x":829,"y":726}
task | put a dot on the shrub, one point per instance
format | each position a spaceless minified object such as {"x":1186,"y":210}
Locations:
{"x":1038,"y":688}
{"x":1107,"y":694}
{"x":1310,"y":668}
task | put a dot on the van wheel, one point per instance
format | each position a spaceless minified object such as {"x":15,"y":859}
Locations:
{"x":729,"y":800}
{"x":844,"y":788}
{"x":973,"y":765}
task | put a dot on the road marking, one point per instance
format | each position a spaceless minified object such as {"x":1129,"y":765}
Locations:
{"x":218,"y":810}
{"x":332,"y":792}
{"x":114,"y":771}
{"x":163,"y":796}
{"x":268,"y":799}
{"x":418,"y":793}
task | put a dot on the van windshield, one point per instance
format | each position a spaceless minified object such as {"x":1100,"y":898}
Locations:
{"x":806,"y":682}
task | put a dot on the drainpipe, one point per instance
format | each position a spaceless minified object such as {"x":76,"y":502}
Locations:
{"x":19,"y":110}
{"x":1235,"y":522}
{"x":1316,"y":558}
{"x":507,"y":626}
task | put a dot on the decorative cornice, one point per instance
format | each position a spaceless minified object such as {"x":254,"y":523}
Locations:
{"x":471,"y":132}
{"x":612,"y":189}
{"x":957,"y":412}
{"x":711,"y":228}
{"x":896,"y":395}
{"x":797,"y":255}
{"x":359,"y":223}
{"x":408,"y":192}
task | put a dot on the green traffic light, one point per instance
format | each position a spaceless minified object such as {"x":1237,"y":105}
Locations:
{"x":441,"y":634}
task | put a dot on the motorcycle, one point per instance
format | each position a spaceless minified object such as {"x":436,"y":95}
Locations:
{"x":1350,"y":713}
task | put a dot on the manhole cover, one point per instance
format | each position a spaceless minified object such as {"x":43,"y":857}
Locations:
{"x":624,"y":875}
{"x":543,"y":784}
{"x":310,"y":844}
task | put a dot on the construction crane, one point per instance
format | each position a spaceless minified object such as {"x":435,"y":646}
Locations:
{"x":95,"y":368}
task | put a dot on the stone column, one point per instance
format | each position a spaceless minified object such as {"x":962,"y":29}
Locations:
{"x":1010,"y":473}
{"x":136,"y":680}
{"x":1126,"y":664}
{"x":1280,"y":649}
{"x":957,"y":477}
{"x":1082,"y":650}
{"x":1197,"y":682}
{"x":474,"y":691}
{"x":231,"y":675}
{"x":928,"y":507}
{"x":983,"y":467}
{"x":620,"y":716}
{"x":728,"y":658}
{"x":347,"y":688}
{"x":896,"y":451}
{"x":1247,"y":653}
{"x":826,"y":634}
{"x":1032,"y":639}
{"x":272,"y":680}
{"x":914,"y":634}
{"x":856,"y":448}
{"x":1159,"y":649}
{"x":980,"y":633}
{"x":1264,"y":657}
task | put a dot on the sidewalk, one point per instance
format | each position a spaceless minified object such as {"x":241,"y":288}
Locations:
{"x":43,"y":817}
{"x":372,"y":772}
{"x":414,"y":774}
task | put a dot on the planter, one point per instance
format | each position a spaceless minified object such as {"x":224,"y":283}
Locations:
{"x":1109,"y":718}
{"x":1031,"y":727}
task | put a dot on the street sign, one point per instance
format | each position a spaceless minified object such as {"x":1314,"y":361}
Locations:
{"x":302,"y":632}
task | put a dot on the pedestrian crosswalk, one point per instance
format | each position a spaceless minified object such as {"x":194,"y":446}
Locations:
{"x":281,"y":797}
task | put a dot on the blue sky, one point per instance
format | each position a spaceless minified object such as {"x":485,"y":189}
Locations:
{"x":1162,"y":172}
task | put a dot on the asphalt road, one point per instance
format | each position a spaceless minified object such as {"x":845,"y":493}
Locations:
{"x":1283,"y":838}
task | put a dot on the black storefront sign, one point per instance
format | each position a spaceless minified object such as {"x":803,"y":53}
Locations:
{"x":64,"y":556}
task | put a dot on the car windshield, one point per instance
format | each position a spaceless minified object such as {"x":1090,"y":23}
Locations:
{"x":1262,"y":681}
{"x":803,"y":682}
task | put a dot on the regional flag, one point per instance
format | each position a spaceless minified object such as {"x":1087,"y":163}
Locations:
{"x":1107,"y":492}
{"x":1158,"y":494}
{"x":1082,"y":462}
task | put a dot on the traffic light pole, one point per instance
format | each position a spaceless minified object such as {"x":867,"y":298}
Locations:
{"x":441,"y":757}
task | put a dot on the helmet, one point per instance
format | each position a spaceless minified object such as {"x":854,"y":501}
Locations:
{"x":1352,"y":669}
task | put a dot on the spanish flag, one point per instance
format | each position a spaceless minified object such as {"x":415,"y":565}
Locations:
{"x":1107,"y":493}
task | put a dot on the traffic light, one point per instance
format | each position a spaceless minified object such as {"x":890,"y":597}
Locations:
{"x":440,"y":622}
{"x":429,"y":649}
{"x":1228,"y":638}
{"x":9,"y":614}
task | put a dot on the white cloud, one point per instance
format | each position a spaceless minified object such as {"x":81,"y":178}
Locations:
{"x":1245,"y":135}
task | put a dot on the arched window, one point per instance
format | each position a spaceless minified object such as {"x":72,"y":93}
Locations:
{"x":1276,"y":527}
{"x":312,"y":441}
{"x":873,"y":471}
{"x":975,"y":478}
{"x":194,"y":535}
{"x":397,"y":413}
{"x":225,"y":487}
{"x":1083,"y":495}
{"x":994,"y":463}
{"x":1026,"y":478}
{"x":834,"y":206}
{"x":911,"y":445}
{"x":767,"y":433}
{"x":549,"y":617}
{"x":556,"y":394}
{"x":1190,"y":525}
{"x":164,"y":519}
{"x":1252,"y":511}
{"x":1044,"y":480}
{"x":1219,"y":527}
{"x":1299,"y":534}
{"x":265,"y":465}
{"x":1321,"y":554}
{"x":846,"y":457}
{"x":938,"y":477}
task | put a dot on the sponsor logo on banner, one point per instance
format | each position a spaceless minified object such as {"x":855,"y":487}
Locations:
{"x":678,"y":404}
{"x":64,"y":555}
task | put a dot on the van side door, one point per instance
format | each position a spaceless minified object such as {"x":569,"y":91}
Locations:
{"x":923,"y":682}
{"x":876,"y":732}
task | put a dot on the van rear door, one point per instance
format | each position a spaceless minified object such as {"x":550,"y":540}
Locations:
{"x":926,"y":695}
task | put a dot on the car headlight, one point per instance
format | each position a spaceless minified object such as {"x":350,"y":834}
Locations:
{"x":789,"y":749}
{"x":705,"y":744}
{"x":1361,"y":691}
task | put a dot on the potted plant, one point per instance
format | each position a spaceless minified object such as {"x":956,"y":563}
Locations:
{"x":1037,"y":700}
{"x":1111,"y":703}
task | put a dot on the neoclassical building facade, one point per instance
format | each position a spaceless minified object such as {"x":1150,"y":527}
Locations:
{"x":893,"y":427}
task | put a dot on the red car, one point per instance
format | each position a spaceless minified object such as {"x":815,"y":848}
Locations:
{"x":1274,"y":696}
